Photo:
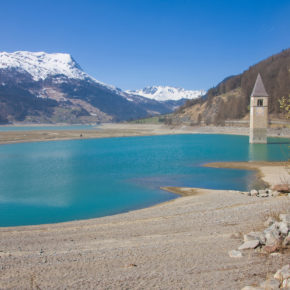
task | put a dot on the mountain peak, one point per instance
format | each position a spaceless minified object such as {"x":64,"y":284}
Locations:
{"x":41,"y":65}
{"x":164,"y":93}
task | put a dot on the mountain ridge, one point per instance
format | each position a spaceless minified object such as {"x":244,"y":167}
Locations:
{"x":41,"y":87}
{"x":167,"y":93}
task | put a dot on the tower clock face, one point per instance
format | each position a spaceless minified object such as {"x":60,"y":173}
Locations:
{"x":260,"y":111}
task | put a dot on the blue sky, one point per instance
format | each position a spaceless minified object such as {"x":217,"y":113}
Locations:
{"x":138,"y":43}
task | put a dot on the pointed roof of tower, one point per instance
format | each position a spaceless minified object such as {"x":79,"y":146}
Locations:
{"x":259,"y":89}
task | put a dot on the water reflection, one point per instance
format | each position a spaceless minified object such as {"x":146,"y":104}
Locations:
{"x":258,"y":152}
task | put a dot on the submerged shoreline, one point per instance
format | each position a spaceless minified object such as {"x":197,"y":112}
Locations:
{"x":270,"y":172}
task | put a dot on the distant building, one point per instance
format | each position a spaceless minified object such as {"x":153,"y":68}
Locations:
{"x":259,"y":113}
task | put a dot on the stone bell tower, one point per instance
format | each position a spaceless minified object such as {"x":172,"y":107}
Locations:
{"x":259,"y":113}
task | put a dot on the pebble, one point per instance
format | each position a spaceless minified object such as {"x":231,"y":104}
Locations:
{"x":255,"y":236}
{"x":284,"y":228}
{"x":249,"y":245}
{"x":262,"y":193}
{"x":285,"y":218}
{"x":286,"y":241}
{"x":235,"y":254}
{"x":271,"y":284}
{"x":269,"y":222}
{"x":272,"y":234}
{"x":286,"y":284}
{"x":253,"y":192}
{"x":283,"y":273}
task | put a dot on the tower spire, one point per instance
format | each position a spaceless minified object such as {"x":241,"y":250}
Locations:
{"x":259,"y":89}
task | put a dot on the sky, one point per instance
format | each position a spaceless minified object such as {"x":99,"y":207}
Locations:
{"x":136,"y":43}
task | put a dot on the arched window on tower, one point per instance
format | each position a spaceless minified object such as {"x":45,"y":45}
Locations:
{"x":260,"y":103}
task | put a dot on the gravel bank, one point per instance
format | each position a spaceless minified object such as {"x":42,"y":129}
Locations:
{"x":121,"y":130}
{"x":179,"y":244}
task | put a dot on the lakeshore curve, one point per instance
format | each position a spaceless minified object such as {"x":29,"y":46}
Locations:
{"x":179,"y":244}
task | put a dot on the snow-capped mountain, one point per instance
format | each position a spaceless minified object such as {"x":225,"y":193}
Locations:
{"x":52,"y":87}
{"x":161,"y":93}
{"x":40,"y":65}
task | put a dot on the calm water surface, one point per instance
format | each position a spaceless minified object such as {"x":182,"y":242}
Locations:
{"x":49,"y":182}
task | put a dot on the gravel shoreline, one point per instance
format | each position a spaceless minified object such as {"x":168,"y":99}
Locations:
{"x":122,"y":130}
{"x":181,"y":244}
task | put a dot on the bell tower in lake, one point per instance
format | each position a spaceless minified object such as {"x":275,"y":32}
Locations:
{"x":259,"y":113}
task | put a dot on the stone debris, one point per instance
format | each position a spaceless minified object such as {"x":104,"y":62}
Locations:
{"x":283,"y":273}
{"x":286,"y":241}
{"x":249,"y":245}
{"x":286,"y":283}
{"x":263,"y":193}
{"x":235,"y":254}
{"x":254,"y":192}
{"x":281,"y":280}
{"x":255,"y":236}
{"x":285,"y":218}
{"x":270,"y":284}
{"x":271,"y":240}
{"x":269,"y":222}
{"x":275,"y":237}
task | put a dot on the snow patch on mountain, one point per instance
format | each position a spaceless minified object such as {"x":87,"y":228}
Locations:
{"x":161,"y":93}
{"x":40,"y":65}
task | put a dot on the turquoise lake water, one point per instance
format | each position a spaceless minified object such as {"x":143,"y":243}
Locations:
{"x":47,"y":182}
{"x":34,"y":128}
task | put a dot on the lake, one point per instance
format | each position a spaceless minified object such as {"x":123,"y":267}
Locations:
{"x":48,"y":182}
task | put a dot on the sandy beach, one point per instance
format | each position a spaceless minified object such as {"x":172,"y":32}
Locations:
{"x":181,"y":244}
{"x":120,"y":130}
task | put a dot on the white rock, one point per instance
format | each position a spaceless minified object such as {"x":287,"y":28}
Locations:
{"x":284,"y":228}
{"x":286,"y":241}
{"x":269,"y":222}
{"x":283,"y":273}
{"x":272,"y":234}
{"x":254,"y":192}
{"x":271,"y":284}
{"x":255,"y":236}
{"x":286,"y":284}
{"x":285,"y":218}
{"x":235,"y":254}
{"x":249,"y":245}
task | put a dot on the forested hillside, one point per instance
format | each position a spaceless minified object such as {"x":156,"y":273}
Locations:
{"x":230,"y":98}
